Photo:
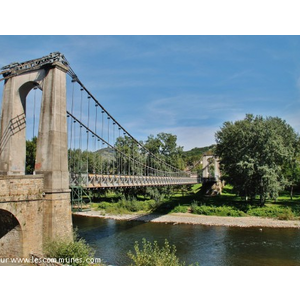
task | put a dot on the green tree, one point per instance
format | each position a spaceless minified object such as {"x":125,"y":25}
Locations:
{"x":292,"y":173}
{"x":90,"y":162}
{"x":131,"y":158}
{"x":164,"y":146}
{"x":30,"y":155}
{"x":255,"y":155}
{"x":128,"y":157}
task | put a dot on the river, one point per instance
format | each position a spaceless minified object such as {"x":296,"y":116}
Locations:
{"x":195,"y":244}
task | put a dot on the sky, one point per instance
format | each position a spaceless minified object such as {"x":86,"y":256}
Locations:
{"x":185,"y":85}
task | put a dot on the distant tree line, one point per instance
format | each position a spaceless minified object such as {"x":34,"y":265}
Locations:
{"x":128,"y":158}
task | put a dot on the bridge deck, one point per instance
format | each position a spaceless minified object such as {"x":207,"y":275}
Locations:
{"x":94,"y":181}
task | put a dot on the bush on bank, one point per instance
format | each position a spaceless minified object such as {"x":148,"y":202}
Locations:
{"x":66,"y":252}
{"x":223,"y":211}
{"x":281,"y":213}
{"x":153,"y":255}
{"x":126,"y":206}
{"x":180,"y":209}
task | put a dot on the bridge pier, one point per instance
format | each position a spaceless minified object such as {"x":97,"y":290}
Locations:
{"x":57,"y":220}
{"x":21,"y":215}
{"x":52,"y":154}
{"x":29,"y":217}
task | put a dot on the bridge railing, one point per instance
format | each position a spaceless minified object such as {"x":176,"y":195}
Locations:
{"x":93,"y":181}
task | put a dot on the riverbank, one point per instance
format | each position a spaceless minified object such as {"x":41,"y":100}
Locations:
{"x":188,"y":218}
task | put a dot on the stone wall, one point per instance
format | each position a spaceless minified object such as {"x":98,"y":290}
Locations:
{"x":20,"y":188}
{"x":21,"y":215}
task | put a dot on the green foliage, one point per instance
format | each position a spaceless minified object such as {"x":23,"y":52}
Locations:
{"x":281,"y":213}
{"x":74,"y":253}
{"x":127,"y":206}
{"x":128,"y":158}
{"x":155,"y":193}
{"x":127,"y":149}
{"x":193,"y":157}
{"x":194,"y":206}
{"x":180,"y":209}
{"x":198,"y":152}
{"x":87,"y":161}
{"x":224,"y":211}
{"x":164,"y":146}
{"x":229,"y":205}
{"x":30,"y":155}
{"x":256,"y":154}
{"x":105,"y":205}
{"x":153,"y":255}
{"x":226,"y":204}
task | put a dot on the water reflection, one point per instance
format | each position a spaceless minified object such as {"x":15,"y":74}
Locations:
{"x":205,"y":245}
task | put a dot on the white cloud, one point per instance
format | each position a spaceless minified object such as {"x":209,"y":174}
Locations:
{"x":188,"y":137}
{"x":191,"y":137}
{"x":192,"y":109}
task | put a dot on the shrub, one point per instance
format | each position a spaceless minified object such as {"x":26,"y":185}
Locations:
{"x":74,"y":253}
{"x":180,"y":209}
{"x":151,"y":204}
{"x":217,"y":211}
{"x":104,"y":205}
{"x":282,"y":213}
{"x":288,"y":214}
{"x":194,"y":206}
{"x":127,"y":206}
{"x":153,"y":255}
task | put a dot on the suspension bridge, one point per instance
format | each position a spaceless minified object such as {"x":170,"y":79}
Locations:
{"x":80,"y":146}
{"x":90,"y":128}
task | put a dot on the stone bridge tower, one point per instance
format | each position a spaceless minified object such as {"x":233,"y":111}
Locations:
{"x":34,"y":208}
{"x":210,"y":160}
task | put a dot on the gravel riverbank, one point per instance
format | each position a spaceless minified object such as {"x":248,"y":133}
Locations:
{"x":188,"y":218}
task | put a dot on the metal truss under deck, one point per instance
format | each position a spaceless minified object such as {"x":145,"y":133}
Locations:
{"x":94,"y":181}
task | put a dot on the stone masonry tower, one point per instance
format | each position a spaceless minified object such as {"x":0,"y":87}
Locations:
{"x":49,"y":188}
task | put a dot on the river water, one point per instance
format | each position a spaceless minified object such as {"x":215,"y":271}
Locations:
{"x":195,"y":244}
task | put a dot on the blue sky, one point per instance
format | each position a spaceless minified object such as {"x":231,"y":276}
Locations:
{"x":184,"y":85}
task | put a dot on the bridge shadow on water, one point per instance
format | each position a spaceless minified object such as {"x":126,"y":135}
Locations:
{"x":113,"y":225}
{"x":100,"y":228}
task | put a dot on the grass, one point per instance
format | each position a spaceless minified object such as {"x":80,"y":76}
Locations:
{"x":227,"y":204}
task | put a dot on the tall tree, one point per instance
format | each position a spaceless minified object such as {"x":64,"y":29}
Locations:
{"x":128,"y":157}
{"x":256,"y":153}
{"x":164,"y":145}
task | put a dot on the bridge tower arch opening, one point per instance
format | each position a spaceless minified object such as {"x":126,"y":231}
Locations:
{"x":30,"y":96}
{"x":11,"y":235}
